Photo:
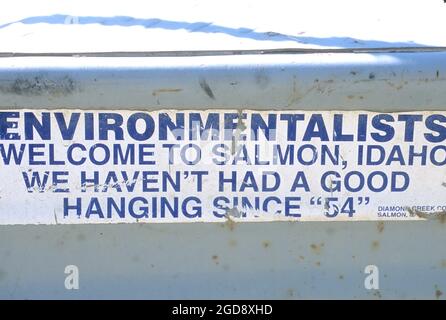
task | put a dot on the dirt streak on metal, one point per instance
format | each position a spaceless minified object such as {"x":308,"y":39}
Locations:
{"x":207,"y":89}
{"x":317,"y":248}
{"x":380,"y":226}
{"x":166,"y":90}
{"x":40,"y":85}
{"x":438,"y":292}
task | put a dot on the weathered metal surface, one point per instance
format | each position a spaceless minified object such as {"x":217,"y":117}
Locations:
{"x":279,"y":260}
{"x":383,"y":81}
{"x":229,"y":260}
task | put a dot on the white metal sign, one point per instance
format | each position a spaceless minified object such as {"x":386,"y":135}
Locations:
{"x":73,"y":166}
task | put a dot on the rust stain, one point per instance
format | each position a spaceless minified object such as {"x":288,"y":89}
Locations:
{"x":375,"y":245}
{"x":380,"y":226}
{"x":317,"y":248}
{"x":438,"y":292}
{"x":230,"y":214}
{"x":165,"y":90}
{"x":230,"y":223}
{"x":266,"y":244}
{"x":232,"y":243}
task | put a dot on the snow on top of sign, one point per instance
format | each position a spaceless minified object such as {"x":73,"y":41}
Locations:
{"x":174,"y":25}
